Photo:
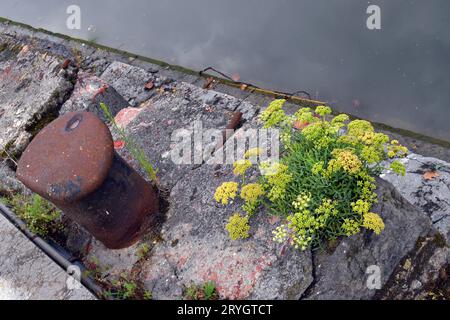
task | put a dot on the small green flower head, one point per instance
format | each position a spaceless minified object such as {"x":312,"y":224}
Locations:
{"x":301,"y":111}
{"x":313,"y":132}
{"x":251,"y":192}
{"x":350,"y":227}
{"x":238,"y":227}
{"x":317,"y":168}
{"x":285,"y":137}
{"x":273,"y":114}
{"x":302,"y":201}
{"x":306,"y":117}
{"x":225,"y":192}
{"x":398,"y":167}
{"x":357,"y":128}
{"x":323,"y":110}
{"x":371,"y":154}
{"x":361,"y":207}
{"x":280,"y":234}
{"x":301,"y":241}
{"x":327,"y":208}
{"x":340,"y":118}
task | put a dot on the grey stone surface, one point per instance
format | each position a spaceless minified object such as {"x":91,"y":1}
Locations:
{"x":27,"y":273}
{"x":165,"y":113}
{"x":8,"y":182}
{"x":112,"y":263}
{"x":89,"y":92}
{"x":342,"y":274}
{"x":431,"y":196}
{"x":32,"y":86}
{"x":78,"y":240}
{"x":197,"y":248}
{"x":423,"y":274}
{"x":96,"y":65}
{"x":130,"y":81}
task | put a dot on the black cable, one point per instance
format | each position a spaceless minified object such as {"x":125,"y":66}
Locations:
{"x":53,"y":254}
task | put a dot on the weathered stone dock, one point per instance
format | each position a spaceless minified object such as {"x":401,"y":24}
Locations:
{"x":28,"y":274}
{"x":43,"y":76}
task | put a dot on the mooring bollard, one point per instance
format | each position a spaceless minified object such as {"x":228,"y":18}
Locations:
{"x":72,"y":163}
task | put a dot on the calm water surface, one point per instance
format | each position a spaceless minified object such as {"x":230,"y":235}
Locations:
{"x":399,"y":75}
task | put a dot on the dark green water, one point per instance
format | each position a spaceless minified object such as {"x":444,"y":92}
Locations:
{"x":399,"y":75}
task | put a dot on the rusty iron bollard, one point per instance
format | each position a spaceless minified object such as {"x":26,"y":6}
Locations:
{"x":72,"y":163}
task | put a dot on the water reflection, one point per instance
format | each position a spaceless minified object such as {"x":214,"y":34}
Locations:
{"x":397,"y":75}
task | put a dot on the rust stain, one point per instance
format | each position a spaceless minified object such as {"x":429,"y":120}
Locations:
{"x":149,"y":85}
{"x":126,"y":115}
{"x":65,"y":64}
{"x":119,"y":144}
{"x":100,"y":91}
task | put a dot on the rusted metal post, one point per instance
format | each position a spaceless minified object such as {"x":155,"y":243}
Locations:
{"x":72,"y":163}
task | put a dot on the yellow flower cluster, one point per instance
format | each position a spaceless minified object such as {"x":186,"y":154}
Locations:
{"x":367,"y":186}
{"x":254,"y":152}
{"x":226,"y":191}
{"x":251,"y":193}
{"x":321,"y":132}
{"x":373,"y":150}
{"x":372,"y":154}
{"x":241,"y":166}
{"x":373,"y":221}
{"x":395,"y":149}
{"x":346,"y":160}
{"x":301,"y":111}
{"x":350,"y":227}
{"x":371,"y":138}
{"x":238,"y":227}
{"x":304,"y":223}
{"x":341,"y":155}
{"x":273,"y":114}
{"x":361,"y":207}
{"x":277,"y":177}
{"x":300,"y":240}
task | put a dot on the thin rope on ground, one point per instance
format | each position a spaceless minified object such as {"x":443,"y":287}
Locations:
{"x":253,"y":88}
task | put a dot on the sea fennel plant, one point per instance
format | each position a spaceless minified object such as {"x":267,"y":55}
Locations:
{"x":323,"y":186}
